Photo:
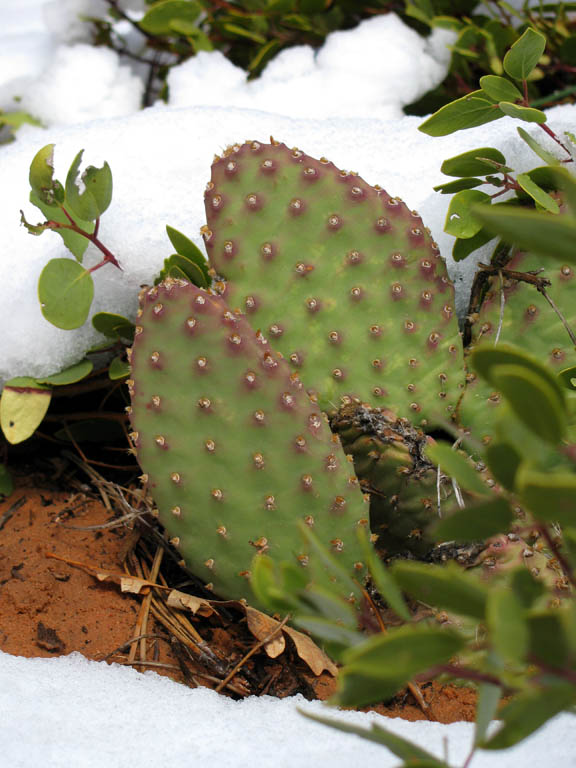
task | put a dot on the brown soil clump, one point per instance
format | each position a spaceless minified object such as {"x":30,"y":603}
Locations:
{"x":49,"y":607}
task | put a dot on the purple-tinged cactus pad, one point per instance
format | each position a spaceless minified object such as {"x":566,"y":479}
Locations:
{"x":234,"y":450}
{"x":344,"y":280}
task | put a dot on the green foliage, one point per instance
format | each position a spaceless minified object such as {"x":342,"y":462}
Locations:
{"x":65,"y":291}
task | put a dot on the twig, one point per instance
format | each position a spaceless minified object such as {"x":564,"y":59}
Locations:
{"x":11,"y":511}
{"x":563,"y":320}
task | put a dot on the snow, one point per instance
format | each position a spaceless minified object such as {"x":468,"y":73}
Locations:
{"x":71,"y":711}
{"x":344,"y":102}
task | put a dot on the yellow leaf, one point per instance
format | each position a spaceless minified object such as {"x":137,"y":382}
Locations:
{"x":22,"y":409}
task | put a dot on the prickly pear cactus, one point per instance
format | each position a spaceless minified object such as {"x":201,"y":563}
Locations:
{"x":344,"y":280}
{"x":234,"y":450}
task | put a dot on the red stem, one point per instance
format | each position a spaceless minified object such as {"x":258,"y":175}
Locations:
{"x":109,"y":257}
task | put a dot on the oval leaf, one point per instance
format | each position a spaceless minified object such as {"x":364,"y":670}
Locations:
{"x":479,"y":522}
{"x":69,"y":375}
{"x":499,"y":89}
{"x":96,"y":196}
{"x":550,"y":497}
{"x":507,"y":624}
{"x":41,"y":174}
{"x":65,"y":290}
{"x":460,"y":220}
{"x":113,"y":326}
{"x":159,"y":19}
{"x":537,"y":193}
{"x":467,"y":112}
{"x":524,"y":54}
{"x":528,"y":114}
{"x":457,"y":466}
{"x":548,"y":157}
{"x":470,"y":163}
{"x":23,"y":405}
{"x":119,"y":369}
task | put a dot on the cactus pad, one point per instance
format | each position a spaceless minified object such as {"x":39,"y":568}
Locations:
{"x":343,"y":280}
{"x":235,"y":451}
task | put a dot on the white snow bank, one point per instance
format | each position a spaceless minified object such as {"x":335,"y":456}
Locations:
{"x":370,"y":71}
{"x":69,"y":711}
{"x":160,"y":159}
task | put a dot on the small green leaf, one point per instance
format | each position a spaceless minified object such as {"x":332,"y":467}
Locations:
{"x":537,"y":193}
{"x":479,"y":522}
{"x":471,"y":163}
{"x":506,"y":624}
{"x":457,"y":466}
{"x":486,"y":708}
{"x":118,"y":369}
{"x":533,"y":231}
{"x":533,"y":400}
{"x":91,"y":203}
{"x":400,"y":747}
{"x":499,"y":89}
{"x":181,"y":267}
{"x":526,"y":588}
{"x":528,"y":114}
{"x":542,"y":153}
{"x":69,"y":375}
{"x":65,"y":291}
{"x":549,"y":497}
{"x":381,"y":665}
{"x":23,"y":405}
{"x":75,"y":242}
{"x":113,"y":326}
{"x":445,"y":587}
{"x":524,"y":54}
{"x":485,"y":359}
{"x":458,"y":185}
{"x":160,"y":17}
{"x":528,"y":712}
{"x":467,"y":112}
{"x":382,"y":577}
{"x":41,"y":176}
{"x":464,"y":246}
{"x":6,"y":482}
{"x":269,"y":587}
{"x":503,"y":461}
{"x":33,"y":229}
{"x":567,"y":378}
{"x":460,"y":221}
{"x":339,"y":636}
{"x":17,"y":119}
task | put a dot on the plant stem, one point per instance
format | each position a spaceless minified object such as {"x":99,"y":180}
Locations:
{"x":109,"y":257}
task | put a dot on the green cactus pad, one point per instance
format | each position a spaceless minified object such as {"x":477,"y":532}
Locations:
{"x":529,"y":323}
{"x":235,"y":452}
{"x":343,"y":279}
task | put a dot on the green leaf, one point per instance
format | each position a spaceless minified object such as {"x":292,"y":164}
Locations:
{"x":479,"y":522}
{"x":463,"y":247}
{"x":381,"y":665}
{"x":537,"y":193}
{"x":75,"y":242}
{"x":486,"y":708}
{"x":526,"y":588}
{"x":506,"y":624}
{"x":270,"y":585}
{"x":567,"y":377}
{"x":524,"y":54}
{"x":186,"y":248}
{"x":531,"y":230}
{"x":91,"y":203}
{"x":460,"y":221}
{"x":458,"y":185}
{"x":113,"y":326}
{"x":69,"y":375}
{"x":457,"y":466}
{"x":382,"y":578}
{"x":118,"y":369}
{"x":160,"y":17}
{"x":528,"y":712}
{"x":23,"y":405}
{"x":17,"y":119}
{"x":65,"y":291}
{"x":445,"y":587}
{"x":329,"y":631}
{"x":499,"y":89}
{"x":44,"y":186}
{"x":567,"y":183}
{"x":503,"y":461}
{"x":6,"y":482}
{"x":400,"y":747}
{"x":471,"y":163}
{"x":467,"y":112}
{"x":549,"y":497}
{"x":550,"y":637}
{"x":338,"y":574}
{"x":179,"y":266}
{"x":484,"y":361}
{"x":527,"y":114}
{"x":533,"y":400}
{"x":542,"y":153}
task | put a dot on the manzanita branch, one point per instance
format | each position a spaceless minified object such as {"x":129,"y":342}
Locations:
{"x":109,"y":257}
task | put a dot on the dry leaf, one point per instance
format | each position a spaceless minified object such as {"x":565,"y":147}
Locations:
{"x":261,"y":627}
{"x":181,"y":600}
{"x":309,"y":652}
